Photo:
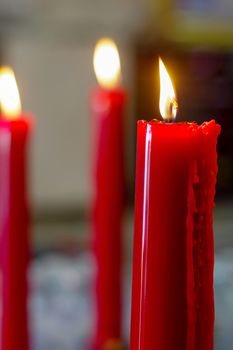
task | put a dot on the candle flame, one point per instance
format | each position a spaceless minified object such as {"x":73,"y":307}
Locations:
{"x":168,"y":103}
{"x":107,"y":64}
{"x":9,"y":94}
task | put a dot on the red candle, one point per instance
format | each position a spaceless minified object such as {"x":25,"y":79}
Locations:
{"x":173,"y":299}
{"x":108,"y":104}
{"x":14,"y":218}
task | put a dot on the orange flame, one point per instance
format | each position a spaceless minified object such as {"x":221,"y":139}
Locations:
{"x":168,"y":103}
{"x":106,"y":63}
{"x":9,"y":94}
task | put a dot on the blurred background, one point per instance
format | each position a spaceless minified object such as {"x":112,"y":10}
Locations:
{"x":50,"y":46}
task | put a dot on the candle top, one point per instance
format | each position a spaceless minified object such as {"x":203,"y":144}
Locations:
{"x":182,"y":128}
{"x":106,"y":63}
{"x":9,"y":95}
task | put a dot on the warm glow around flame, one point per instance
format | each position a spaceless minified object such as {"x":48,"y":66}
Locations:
{"x":167,"y":104}
{"x":107,"y":63}
{"x":9,"y":94}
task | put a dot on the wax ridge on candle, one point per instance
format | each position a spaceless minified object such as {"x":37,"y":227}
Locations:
{"x":200,"y":239}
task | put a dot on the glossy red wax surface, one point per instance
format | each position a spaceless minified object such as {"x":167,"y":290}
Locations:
{"x":172,"y":300}
{"x":14,"y":221}
{"x":108,"y":208}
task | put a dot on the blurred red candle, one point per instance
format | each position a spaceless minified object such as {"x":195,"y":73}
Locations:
{"x":173,"y":298}
{"x":14,"y":216}
{"x":108,"y":104}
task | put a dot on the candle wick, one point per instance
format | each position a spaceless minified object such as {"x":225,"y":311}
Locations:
{"x":170,"y":120}
{"x":171,"y":110}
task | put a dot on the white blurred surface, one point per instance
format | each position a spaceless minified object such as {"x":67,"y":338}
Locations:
{"x":51,"y":53}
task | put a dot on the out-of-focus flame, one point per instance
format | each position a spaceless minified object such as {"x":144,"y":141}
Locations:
{"x":168,"y":103}
{"x":107,"y":64}
{"x":9,"y":94}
